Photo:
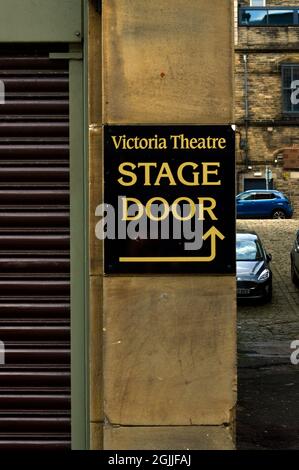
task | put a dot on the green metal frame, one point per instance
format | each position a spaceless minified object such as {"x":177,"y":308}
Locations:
{"x":79,"y":242}
{"x":79,"y":259}
{"x":41,"y":21}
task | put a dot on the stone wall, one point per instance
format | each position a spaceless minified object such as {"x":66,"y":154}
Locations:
{"x":266,"y":142}
{"x":264,"y":84}
{"x":270,"y":131}
{"x":163,"y":348}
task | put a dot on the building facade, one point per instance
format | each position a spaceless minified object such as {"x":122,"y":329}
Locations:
{"x":266,"y":91}
{"x":95,"y":360}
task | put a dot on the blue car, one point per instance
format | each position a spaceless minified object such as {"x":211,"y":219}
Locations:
{"x":263,"y":204}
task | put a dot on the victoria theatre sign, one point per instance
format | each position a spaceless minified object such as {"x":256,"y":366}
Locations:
{"x":169,"y":199}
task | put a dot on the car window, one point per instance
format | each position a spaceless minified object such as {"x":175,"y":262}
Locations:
{"x":248,"y":250}
{"x":274,"y":196}
{"x":261,"y":196}
{"x":246,"y":196}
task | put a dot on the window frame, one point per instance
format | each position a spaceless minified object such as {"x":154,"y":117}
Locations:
{"x":295,"y":11}
{"x":284,"y":66}
{"x":254,"y":6}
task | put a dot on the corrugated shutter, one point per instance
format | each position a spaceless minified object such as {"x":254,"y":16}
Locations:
{"x":34,"y":250}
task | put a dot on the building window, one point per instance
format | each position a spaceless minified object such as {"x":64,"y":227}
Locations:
{"x":290,"y":88}
{"x":261,"y":16}
{"x":257,"y":3}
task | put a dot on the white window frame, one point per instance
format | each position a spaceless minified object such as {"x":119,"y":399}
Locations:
{"x":253,"y":5}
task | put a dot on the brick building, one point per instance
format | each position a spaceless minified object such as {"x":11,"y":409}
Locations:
{"x":267,"y":95}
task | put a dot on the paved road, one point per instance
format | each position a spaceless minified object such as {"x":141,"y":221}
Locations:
{"x":268,"y":411}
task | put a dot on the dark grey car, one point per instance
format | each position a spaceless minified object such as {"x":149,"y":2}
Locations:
{"x":295,"y":261}
{"x":254,"y":275}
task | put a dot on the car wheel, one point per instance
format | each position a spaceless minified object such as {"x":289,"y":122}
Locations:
{"x":278,"y":214}
{"x":294,"y":276}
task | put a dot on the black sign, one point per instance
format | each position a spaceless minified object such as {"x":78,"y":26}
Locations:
{"x":169,"y":199}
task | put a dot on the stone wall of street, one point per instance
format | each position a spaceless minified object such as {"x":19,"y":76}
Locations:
{"x":270,"y":132}
{"x":268,"y":413}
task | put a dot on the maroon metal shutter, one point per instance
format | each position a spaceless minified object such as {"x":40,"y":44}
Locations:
{"x":34,"y":250}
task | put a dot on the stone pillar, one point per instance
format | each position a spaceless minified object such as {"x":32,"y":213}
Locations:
{"x":168,"y":342}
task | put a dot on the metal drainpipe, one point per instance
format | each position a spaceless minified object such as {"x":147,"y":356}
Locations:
{"x":246,"y":119}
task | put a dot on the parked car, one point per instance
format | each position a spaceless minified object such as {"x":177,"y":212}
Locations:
{"x":264,"y":204}
{"x":254,"y":275}
{"x":295,"y":261}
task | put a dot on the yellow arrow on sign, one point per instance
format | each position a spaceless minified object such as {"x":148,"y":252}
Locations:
{"x":212,"y":233}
